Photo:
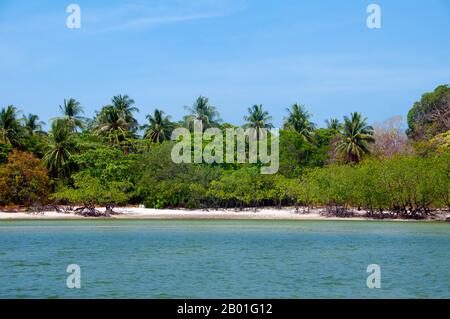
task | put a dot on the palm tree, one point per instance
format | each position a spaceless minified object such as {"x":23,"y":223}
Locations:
{"x":71,"y":110}
{"x":299,"y":121}
{"x":333,"y":124}
{"x":32,"y":124}
{"x":202,"y":111}
{"x":111,"y":124}
{"x":60,"y":148}
{"x":159,"y":127}
{"x":124,"y":107}
{"x":356,"y":135}
{"x":258,"y":118}
{"x":116,"y":121}
{"x":10,"y":128}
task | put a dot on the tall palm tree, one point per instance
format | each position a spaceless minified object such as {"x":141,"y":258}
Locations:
{"x":333,"y":124}
{"x":71,"y":111}
{"x":116,"y":120}
{"x":299,"y":120}
{"x":356,"y":135}
{"x":258,"y":118}
{"x":32,"y":124}
{"x":124,"y":107}
{"x":110,"y":123}
{"x":202,"y":111}
{"x":159,"y":127}
{"x":10,"y":128}
{"x":60,"y":148}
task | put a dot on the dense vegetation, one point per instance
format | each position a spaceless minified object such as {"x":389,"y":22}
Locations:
{"x":112,"y":160}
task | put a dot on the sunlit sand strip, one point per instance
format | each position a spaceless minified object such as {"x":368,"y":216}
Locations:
{"x":184,"y":214}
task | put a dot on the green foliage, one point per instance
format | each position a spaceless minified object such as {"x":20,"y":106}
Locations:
{"x":328,"y":186}
{"x":298,"y":154}
{"x":71,"y":111}
{"x":124,"y":105}
{"x":105,"y":163}
{"x":36,"y":143}
{"x":324,"y":139}
{"x":32,"y":124}
{"x":116,"y":122}
{"x":299,"y":121}
{"x":202,"y":111}
{"x":10,"y":129}
{"x":5,"y":149}
{"x":105,"y":177}
{"x":401,"y":185}
{"x":333,"y":124}
{"x":295,"y":153}
{"x":441,"y":142}
{"x":257,"y":118}
{"x":60,"y":148}
{"x":408,"y":186}
{"x":431,"y":115}
{"x":159,"y":128}
{"x":437,"y":145}
{"x":91,"y":191}
{"x":166,"y":184}
{"x":247,"y":187}
{"x":356,"y":136}
{"x":111,"y":125}
{"x":108,"y":163}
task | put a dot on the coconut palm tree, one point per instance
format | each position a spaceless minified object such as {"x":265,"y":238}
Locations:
{"x":159,"y":127}
{"x":116,"y":121}
{"x":333,"y":124}
{"x":60,"y":148}
{"x":10,"y":128}
{"x":202,"y":111}
{"x":258,"y":118}
{"x":299,"y":120}
{"x":111,"y":124}
{"x":32,"y":124}
{"x":71,"y":111}
{"x":125,"y":109}
{"x":356,"y":135}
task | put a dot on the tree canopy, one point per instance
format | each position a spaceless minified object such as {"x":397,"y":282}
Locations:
{"x":431,"y":114}
{"x":111,"y":160}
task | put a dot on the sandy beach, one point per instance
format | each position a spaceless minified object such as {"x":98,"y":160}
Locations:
{"x":173,"y":214}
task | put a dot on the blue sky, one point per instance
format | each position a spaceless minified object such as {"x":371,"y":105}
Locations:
{"x":165,"y":53}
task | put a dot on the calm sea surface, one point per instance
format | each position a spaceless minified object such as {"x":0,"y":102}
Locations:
{"x":224,"y":259}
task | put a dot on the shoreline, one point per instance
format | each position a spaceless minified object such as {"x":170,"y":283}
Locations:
{"x":134,"y":213}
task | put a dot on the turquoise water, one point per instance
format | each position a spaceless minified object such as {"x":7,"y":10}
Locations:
{"x":224,"y":259}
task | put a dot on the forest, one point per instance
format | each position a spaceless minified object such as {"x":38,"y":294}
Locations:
{"x":112,"y":160}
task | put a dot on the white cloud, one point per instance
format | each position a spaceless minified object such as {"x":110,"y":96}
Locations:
{"x":127,"y":16}
{"x":144,"y":16}
{"x":147,"y":22}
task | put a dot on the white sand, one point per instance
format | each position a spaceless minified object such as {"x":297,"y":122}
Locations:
{"x":43,"y":215}
{"x":147,"y":213}
{"x":264,"y":213}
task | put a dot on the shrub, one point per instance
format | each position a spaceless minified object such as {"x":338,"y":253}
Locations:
{"x":247,"y":187}
{"x":23,"y":180}
{"x":91,"y":191}
{"x":5,"y":150}
{"x":164,"y":183}
{"x":105,"y":177}
{"x":407,"y":186}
